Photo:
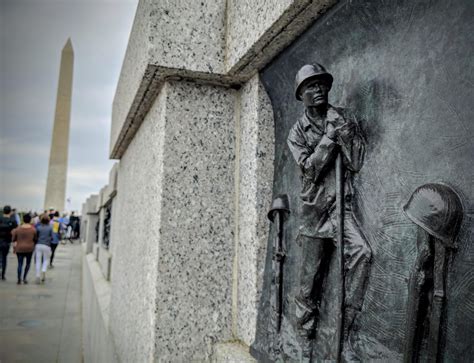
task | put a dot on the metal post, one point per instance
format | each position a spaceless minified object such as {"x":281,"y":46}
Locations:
{"x":340,"y":243}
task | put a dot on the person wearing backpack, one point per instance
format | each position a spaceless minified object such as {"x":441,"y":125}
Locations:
{"x":7,"y":225}
{"x":56,"y":225}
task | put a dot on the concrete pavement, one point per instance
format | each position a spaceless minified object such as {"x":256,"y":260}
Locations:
{"x":42,"y":323}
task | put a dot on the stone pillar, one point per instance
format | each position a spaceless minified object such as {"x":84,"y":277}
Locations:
{"x":58,"y":158}
{"x":254,"y":193}
{"x":176,"y":204}
{"x":90,"y":218}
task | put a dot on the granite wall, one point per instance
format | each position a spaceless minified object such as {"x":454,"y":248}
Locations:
{"x":255,"y":156}
{"x":89,"y":218}
{"x":137,"y":239}
{"x":98,"y":345}
{"x":194,"y":130}
{"x":217,"y":42}
{"x":197,"y":222}
{"x":173,"y":249}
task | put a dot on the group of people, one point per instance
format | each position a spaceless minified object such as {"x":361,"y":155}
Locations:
{"x":38,"y":234}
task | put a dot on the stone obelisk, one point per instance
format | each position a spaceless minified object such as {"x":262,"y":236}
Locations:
{"x":58,"y":157}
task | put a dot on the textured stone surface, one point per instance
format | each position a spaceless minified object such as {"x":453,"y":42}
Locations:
{"x":258,"y":30}
{"x":231,"y":353}
{"x":90,"y":206}
{"x":222,"y":42}
{"x":176,"y":271}
{"x":256,"y":154}
{"x":197,"y":215}
{"x":112,"y":185}
{"x":114,"y":229}
{"x":188,"y":35}
{"x":137,"y":238}
{"x":96,"y":251}
{"x":247,"y":21}
{"x":97,"y":342}
{"x":105,"y":259}
{"x":133,"y":70}
{"x":166,"y":37}
{"x":89,"y":220}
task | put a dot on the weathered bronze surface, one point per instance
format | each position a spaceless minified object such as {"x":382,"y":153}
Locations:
{"x":323,"y":136}
{"x":278,"y":215}
{"x":404,"y":69}
{"x":437,"y":210}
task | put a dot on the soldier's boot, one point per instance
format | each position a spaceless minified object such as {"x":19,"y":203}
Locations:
{"x":306,"y":312}
{"x":307,"y":352}
{"x":349,"y":355}
{"x":349,"y":316}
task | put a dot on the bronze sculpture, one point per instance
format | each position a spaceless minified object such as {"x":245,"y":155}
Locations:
{"x":328,"y":146}
{"x":437,"y":210}
{"x":278,"y":214}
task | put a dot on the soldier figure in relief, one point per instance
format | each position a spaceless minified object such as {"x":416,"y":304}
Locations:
{"x":314,"y":141}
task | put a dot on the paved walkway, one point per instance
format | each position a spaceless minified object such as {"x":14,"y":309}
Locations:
{"x":42,"y":323}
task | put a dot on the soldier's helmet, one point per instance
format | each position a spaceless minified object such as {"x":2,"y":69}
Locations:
{"x":310,"y":72}
{"x":438,"y":209}
{"x":280,"y":203}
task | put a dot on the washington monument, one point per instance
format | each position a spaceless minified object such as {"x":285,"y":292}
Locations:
{"x":58,"y":157}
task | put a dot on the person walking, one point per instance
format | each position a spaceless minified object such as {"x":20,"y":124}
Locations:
{"x":35,"y":219}
{"x":24,"y":239}
{"x":64,"y":220}
{"x":56,"y":225}
{"x":7,"y":225}
{"x":16,"y":216}
{"x":43,"y":248}
{"x":74,"y":222}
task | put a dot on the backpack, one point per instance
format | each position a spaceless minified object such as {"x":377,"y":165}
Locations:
{"x":56,"y":226}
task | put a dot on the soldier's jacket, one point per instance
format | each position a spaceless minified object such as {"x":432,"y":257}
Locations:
{"x":315,"y":154}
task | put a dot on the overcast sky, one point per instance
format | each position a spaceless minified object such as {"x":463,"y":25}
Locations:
{"x":32,"y":35}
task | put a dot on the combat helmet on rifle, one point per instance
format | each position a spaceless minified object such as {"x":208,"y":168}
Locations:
{"x":438,"y":209}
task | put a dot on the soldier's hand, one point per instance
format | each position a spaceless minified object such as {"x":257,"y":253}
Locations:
{"x":345,"y":131}
{"x":331,"y":131}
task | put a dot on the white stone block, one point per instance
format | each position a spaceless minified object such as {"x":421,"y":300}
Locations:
{"x":247,"y":21}
{"x":91,"y":204}
{"x":231,"y":353}
{"x":90,"y":222}
{"x":96,"y":251}
{"x":97,"y":341}
{"x":173,"y":250}
{"x":167,"y":37}
{"x":112,"y":186}
{"x":105,"y":259}
{"x":257,"y":30}
{"x":136,"y":238}
{"x":256,"y":154}
{"x":222,"y":42}
{"x":197,"y":223}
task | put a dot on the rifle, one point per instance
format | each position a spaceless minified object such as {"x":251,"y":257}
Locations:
{"x":340,"y":243}
{"x":280,"y":208}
